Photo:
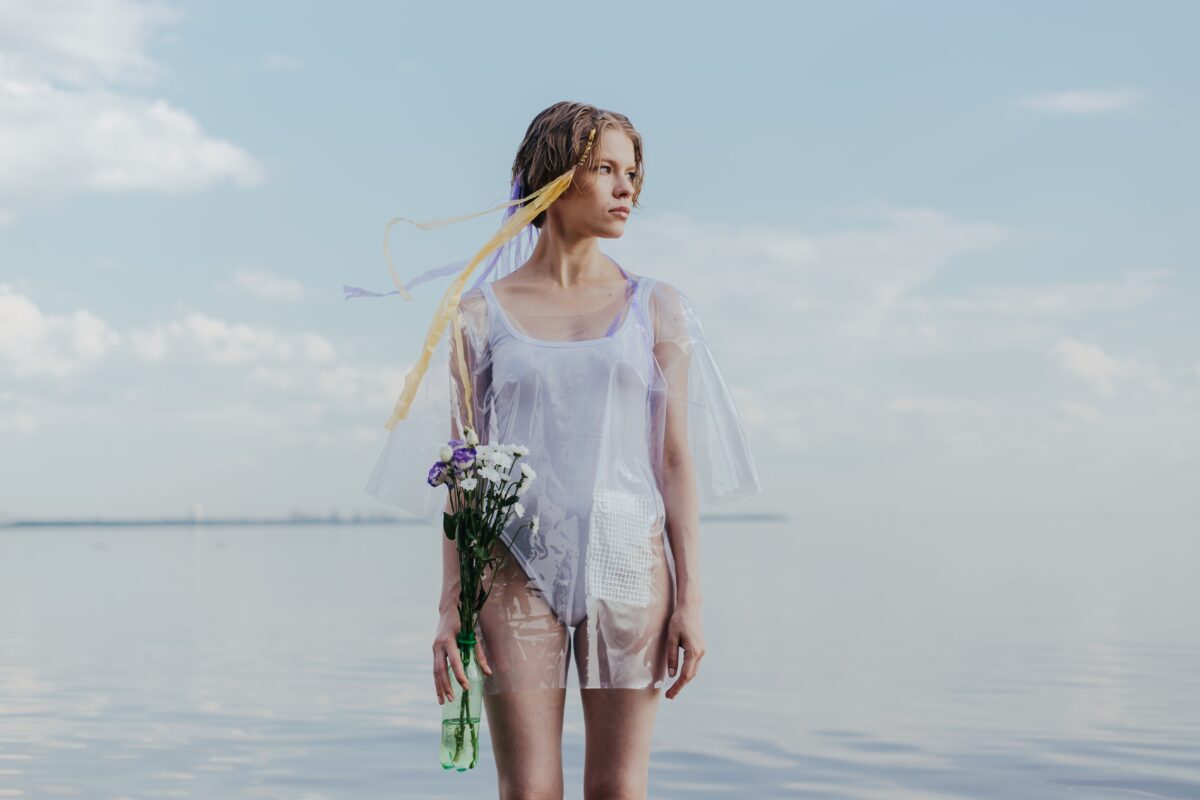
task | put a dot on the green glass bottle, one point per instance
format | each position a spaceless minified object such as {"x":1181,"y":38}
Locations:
{"x":460,"y":716}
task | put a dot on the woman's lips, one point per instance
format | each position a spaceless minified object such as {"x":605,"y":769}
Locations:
{"x":620,"y":212}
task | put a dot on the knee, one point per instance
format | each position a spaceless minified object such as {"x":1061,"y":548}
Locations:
{"x":616,"y":787}
{"x":531,"y":788}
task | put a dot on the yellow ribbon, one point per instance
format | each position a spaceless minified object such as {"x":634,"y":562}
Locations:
{"x":537,"y":202}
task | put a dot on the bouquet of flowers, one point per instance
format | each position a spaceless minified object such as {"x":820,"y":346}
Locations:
{"x":485,"y":486}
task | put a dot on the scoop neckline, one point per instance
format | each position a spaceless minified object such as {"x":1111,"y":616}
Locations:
{"x":512,"y":329}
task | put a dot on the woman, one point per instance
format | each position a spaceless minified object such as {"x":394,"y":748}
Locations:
{"x":606,"y":377}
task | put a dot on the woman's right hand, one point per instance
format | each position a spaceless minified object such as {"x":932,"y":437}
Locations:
{"x":445,"y":650}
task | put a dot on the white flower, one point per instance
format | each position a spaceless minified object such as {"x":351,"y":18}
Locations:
{"x":537,"y":521}
{"x":490,"y":473}
{"x":472,"y":439}
{"x":468,"y":483}
{"x":446,"y":453}
{"x":502,"y":459}
{"x":520,"y":509}
{"x":528,"y":472}
{"x":520,"y":449}
{"x":522,"y":488}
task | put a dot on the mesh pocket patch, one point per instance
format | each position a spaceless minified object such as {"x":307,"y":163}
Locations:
{"x":619,"y":557}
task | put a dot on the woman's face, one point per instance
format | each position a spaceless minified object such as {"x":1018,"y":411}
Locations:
{"x":589,"y":206}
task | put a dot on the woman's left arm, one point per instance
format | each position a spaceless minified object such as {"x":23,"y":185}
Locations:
{"x":678,"y":481}
{"x":683,"y":530}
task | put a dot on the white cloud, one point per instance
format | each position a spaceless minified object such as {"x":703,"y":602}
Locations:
{"x":773,"y":298}
{"x":71,"y":124}
{"x":1102,"y":371}
{"x":1129,"y":291}
{"x":148,"y":344}
{"x":938,"y":406}
{"x":82,"y":43}
{"x":850,"y":282}
{"x":1094,"y":101}
{"x":217,"y":341}
{"x":265,"y":286}
{"x":18,"y":423}
{"x":1080,"y":411}
{"x":34,"y":343}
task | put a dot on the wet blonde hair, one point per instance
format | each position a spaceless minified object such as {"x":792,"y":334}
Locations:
{"x":557,"y":138}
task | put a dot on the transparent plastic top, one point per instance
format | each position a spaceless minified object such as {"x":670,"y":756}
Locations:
{"x":630,"y":429}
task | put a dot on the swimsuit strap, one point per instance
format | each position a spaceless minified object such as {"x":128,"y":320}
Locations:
{"x":642,"y":299}
{"x":631,"y":287}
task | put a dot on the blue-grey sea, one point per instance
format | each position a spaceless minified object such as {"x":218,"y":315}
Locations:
{"x":862,"y":657}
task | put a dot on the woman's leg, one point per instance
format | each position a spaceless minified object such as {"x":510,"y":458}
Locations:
{"x":528,"y":649}
{"x":618,"y":723}
{"x":526,"y":732}
{"x":621,"y":656}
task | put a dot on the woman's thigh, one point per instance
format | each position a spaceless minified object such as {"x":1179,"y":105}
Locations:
{"x":623,"y":645}
{"x":528,"y":650}
{"x":525,"y":643}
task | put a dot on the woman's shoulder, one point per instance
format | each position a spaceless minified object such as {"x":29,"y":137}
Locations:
{"x":473,"y":314}
{"x":472,"y":304}
{"x":668,"y":309}
{"x":664,"y":294}
{"x":472,"y":297}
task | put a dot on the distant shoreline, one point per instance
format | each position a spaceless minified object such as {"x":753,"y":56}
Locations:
{"x":357,"y":519}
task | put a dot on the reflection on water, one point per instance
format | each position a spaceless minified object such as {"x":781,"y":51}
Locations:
{"x":871,"y":659}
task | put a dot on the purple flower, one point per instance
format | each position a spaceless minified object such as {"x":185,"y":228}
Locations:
{"x":438,"y":474}
{"x":463,"y":458}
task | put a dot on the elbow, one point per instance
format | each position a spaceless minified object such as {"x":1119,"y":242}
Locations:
{"x":677,"y":460}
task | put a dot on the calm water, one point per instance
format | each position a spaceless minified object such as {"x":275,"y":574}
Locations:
{"x":847,"y":659}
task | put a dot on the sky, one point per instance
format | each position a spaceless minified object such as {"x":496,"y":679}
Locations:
{"x":945,"y":254}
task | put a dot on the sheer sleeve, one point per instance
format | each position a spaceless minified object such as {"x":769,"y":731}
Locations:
{"x":476,"y":366}
{"x":694,"y":414}
{"x":438,"y":413}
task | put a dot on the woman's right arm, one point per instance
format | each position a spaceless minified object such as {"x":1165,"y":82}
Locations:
{"x":445,"y":642}
{"x":450,"y":573}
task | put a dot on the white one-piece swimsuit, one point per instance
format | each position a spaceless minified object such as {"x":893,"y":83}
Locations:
{"x":583,"y":408}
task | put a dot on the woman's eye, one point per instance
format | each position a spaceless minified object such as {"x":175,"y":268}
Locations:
{"x":632,"y":175}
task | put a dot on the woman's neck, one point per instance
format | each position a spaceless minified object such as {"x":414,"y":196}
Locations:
{"x":568,"y":263}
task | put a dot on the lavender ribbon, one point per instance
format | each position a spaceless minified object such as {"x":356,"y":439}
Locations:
{"x":521,"y":244}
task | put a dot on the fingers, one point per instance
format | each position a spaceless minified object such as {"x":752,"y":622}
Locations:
{"x":444,"y":652}
{"x":680,"y":679}
{"x":441,"y":681}
{"x":481,"y":659}
{"x":672,"y":652}
{"x":691,"y":664}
